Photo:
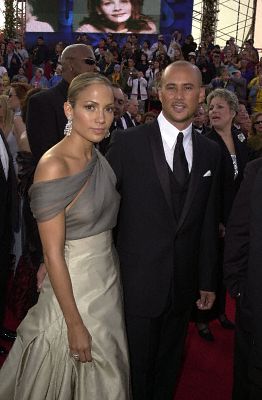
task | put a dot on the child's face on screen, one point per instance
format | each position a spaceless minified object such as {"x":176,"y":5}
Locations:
{"x":116,"y":11}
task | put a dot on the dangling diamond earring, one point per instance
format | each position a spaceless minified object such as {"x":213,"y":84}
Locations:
{"x":68,"y":127}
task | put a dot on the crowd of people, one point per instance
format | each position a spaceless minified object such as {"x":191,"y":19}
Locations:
{"x":149,"y":141}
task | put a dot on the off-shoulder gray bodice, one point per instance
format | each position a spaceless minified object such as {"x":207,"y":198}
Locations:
{"x":93,"y":212}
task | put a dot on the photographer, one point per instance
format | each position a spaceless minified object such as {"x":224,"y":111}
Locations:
{"x":138,"y":85}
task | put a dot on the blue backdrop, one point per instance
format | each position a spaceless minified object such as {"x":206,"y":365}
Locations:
{"x":175,"y":14}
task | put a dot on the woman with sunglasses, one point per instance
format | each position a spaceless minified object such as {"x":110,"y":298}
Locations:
{"x":119,"y":16}
{"x":255,"y":137}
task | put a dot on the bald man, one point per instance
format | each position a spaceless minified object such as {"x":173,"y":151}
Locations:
{"x":167,"y":175}
{"x":45,"y":116}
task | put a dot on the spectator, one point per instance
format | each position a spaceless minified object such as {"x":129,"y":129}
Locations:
{"x":12,"y":62}
{"x":20,"y":77}
{"x":39,"y":80}
{"x":3,"y":70}
{"x":255,"y":137}
{"x":40,"y":53}
{"x":188,"y":46}
{"x":138,"y":86}
{"x":57,"y":77}
{"x":175,"y":52}
{"x":255,"y":93}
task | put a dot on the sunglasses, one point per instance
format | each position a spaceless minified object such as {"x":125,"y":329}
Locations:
{"x":89,"y":61}
{"x":257,"y":122}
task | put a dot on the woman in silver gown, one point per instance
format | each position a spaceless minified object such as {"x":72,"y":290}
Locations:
{"x":72,"y":343}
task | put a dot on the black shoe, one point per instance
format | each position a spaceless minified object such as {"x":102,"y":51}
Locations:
{"x":6,"y":334}
{"x":226,"y":323}
{"x":206,"y":334}
{"x":3,"y":351}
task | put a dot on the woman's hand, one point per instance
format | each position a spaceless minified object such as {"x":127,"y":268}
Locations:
{"x":80,"y":341}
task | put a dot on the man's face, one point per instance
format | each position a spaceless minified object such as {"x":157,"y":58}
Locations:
{"x":83,"y":60}
{"x":133,"y":107}
{"x":119,"y":102}
{"x":200,"y":117}
{"x":180,"y":94}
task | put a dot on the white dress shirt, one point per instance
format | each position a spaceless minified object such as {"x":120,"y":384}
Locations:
{"x":169,"y":135}
{"x":4,"y":157}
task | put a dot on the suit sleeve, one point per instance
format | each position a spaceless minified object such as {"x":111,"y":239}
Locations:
{"x":208,"y":255}
{"x":114,"y":154}
{"x":41,"y":126}
{"x":237,"y":236}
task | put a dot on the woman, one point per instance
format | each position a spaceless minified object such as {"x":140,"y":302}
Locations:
{"x":17,"y":94}
{"x":119,"y":16}
{"x":39,"y":80}
{"x":222,"y":108}
{"x":72,"y":344}
{"x":6,"y":116}
{"x":255,"y":137}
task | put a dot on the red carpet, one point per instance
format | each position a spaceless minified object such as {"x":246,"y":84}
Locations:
{"x":207,"y":369}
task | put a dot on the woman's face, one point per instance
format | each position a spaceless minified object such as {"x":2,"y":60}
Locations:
{"x":258,"y":124}
{"x":220,"y":114}
{"x":93,"y":112}
{"x":14,"y":102}
{"x":116,"y":11}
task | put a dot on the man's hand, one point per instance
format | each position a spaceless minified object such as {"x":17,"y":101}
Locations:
{"x":40,"y":276}
{"x":206,"y":300}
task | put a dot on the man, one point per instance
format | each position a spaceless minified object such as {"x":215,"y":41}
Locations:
{"x":128,"y":118}
{"x":138,"y":86}
{"x":200,"y":120}
{"x":119,"y":103}
{"x":12,"y":62}
{"x":167,"y":230}
{"x":243,"y":277}
{"x":40,"y":53}
{"x":8,"y":217}
{"x":45,"y":117}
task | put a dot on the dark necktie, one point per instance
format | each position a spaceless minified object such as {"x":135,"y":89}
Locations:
{"x":138,"y":90}
{"x":180,"y":166}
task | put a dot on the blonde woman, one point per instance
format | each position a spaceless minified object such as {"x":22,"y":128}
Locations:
{"x":6,"y":116}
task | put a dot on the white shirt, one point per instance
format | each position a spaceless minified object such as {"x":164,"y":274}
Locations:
{"x":4,"y":157}
{"x":169,"y":135}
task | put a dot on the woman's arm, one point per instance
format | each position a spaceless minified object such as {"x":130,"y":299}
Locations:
{"x":52,"y":234}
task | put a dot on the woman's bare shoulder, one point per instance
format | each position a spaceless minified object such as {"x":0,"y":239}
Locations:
{"x":52,"y":165}
{"x":88,"y":28}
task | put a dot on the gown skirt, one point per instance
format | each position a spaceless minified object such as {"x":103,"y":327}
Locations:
{"x":39,"y":366}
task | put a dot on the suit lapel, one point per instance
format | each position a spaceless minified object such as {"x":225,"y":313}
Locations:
{"x":194,"y":178}
{"x":160,"y":163}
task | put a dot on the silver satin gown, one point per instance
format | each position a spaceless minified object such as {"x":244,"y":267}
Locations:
{"x":39,"y":365}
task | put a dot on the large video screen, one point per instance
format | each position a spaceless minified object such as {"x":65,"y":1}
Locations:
{"x":94,"y":16}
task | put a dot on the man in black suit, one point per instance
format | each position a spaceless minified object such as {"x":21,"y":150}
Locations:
{"x":45,"y":117}
{"x":243,"y":277}
{"x":128,"y":118}
{"x":167,"y":176}
{"x":8,"y":218}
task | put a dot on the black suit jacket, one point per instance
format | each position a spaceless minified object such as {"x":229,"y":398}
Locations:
{"x":243,"y":256}
{"x":129,"y":122}
{"x":8,"y":223}
{"x":46,"y":119}
{"x":157,"y":253}
{"x":229,"y":185}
